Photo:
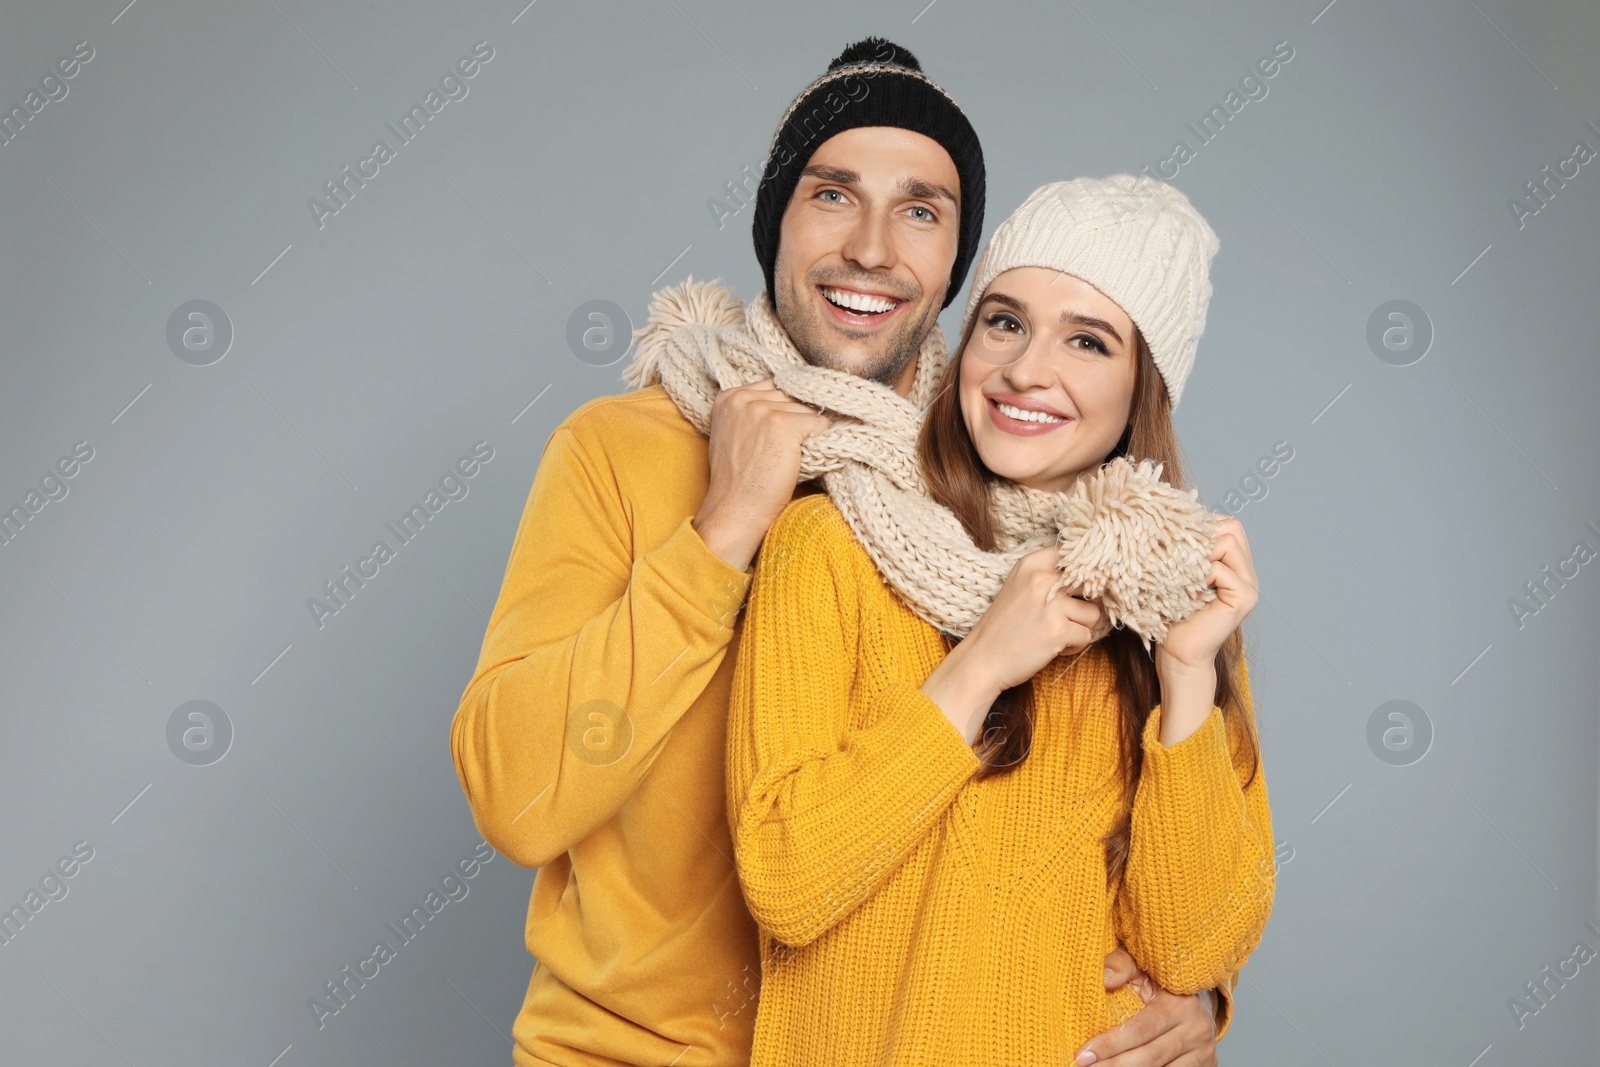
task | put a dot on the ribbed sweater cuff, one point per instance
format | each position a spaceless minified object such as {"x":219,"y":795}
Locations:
{"x":832,"y":829}
{"x":932,"y":756}
{"x":1187,"y":822}
{"x":704,"y":582}
{"x":1189,"y":800}
{"x":1193,"y":771}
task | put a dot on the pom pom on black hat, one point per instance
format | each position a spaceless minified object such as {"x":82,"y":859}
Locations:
{"x":875,"y":50}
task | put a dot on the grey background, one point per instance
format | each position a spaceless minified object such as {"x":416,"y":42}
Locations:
{"x":432,"y":312}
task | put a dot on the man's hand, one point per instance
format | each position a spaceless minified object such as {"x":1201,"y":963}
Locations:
{"x":756,"y":431}
{"x":1168,"y":1030}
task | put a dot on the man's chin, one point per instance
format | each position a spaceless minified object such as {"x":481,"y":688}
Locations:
{"x":870,"y":363}
{"x":865,"y":353}
{"x":875,"y":354}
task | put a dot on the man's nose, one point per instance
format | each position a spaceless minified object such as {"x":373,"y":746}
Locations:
{"x":870,"y":243}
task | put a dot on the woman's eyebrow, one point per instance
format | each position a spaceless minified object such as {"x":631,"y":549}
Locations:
{"x":1007,"y":301}
{"x":1068,"y":318}
{"x":1074,"y":318}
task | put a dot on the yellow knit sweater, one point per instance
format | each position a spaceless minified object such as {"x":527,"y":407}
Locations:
{"x":912,"y":915}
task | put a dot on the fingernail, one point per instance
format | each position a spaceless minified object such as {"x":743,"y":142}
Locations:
{"x":1110,"y":974}
{"x":1085,"y":1058}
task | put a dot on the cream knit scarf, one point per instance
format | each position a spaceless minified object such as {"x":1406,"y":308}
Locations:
{"x":1124,"y":535}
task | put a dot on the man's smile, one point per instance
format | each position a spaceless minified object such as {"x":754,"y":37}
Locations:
{"x":857,"y":307}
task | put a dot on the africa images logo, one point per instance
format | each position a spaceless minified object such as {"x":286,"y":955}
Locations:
{"x":342,"y":988}
{"x":452,"y":84}
{"x":453,"y":485}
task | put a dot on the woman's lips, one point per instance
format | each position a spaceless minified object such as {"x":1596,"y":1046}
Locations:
{"x":1017,"y":426}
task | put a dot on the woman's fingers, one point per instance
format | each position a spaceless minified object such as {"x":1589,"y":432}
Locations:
{"x":1233,"y":547}
{"x":1082,"y":615}
{"x":1232,"y":588}
{"x":1074,"y":608}
{"x":1070,"y":603}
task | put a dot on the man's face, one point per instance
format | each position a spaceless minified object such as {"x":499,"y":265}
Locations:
{"x":865,"y":251}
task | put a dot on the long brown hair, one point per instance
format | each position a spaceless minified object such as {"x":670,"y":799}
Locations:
{"x":958,"y":479}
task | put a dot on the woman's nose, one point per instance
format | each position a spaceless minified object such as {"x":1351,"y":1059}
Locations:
{"x":1033,"y":368}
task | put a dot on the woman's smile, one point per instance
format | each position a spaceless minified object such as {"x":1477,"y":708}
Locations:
{"x":1025,"y":418}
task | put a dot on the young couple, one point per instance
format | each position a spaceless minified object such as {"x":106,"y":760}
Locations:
{"x":876,"y":816}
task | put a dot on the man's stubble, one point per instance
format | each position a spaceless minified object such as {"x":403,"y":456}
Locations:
{"x":800,"y":320}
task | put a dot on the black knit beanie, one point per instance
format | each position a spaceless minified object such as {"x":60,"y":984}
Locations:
{"x":870,"y":83}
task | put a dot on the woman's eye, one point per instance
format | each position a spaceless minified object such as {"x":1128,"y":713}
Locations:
{"x":1089,"y":340}
{"x":1000,"y":320}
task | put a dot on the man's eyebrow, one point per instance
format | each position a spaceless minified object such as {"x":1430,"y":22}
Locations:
{"x":926,"y":190}
{"x":833,"y":174}
{"x":917,"y":187}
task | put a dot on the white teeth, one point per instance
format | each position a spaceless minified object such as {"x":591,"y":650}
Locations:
{"x":859,"y":301}
{"x":1026,"y":415}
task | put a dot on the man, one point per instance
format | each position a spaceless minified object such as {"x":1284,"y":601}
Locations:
{"x":590,"y":740}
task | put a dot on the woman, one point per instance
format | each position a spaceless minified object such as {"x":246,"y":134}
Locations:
{"x":942,"y":840}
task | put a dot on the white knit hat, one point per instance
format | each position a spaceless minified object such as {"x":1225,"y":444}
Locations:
{"x":1137,"y":240}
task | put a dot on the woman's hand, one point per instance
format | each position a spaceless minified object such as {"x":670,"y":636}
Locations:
{"x":1192,"y":645}
{"x":1186,"y":661}
{"x":1023,"y":629}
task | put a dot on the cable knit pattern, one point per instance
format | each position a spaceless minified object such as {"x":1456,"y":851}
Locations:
{"x":912,"y":915}
{"x":1124,"y":535}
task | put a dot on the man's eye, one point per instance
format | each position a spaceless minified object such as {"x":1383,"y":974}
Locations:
{"x":832,"y":192}
{"x":926,"y":216}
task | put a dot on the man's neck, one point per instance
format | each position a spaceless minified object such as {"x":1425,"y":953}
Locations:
{"x":907,"y":377}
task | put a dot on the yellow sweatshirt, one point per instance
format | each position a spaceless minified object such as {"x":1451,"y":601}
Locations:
{"x":590,"y":744}
{"x":912,"y":915}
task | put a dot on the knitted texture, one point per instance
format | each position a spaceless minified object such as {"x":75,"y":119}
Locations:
{"x":911,"y":914}
{"x":1137,"y":240}
{"x":1125,"y":536}
{"x":873,"y":82}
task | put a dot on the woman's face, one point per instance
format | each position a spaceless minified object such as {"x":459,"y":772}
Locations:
{"x":1062,"y":351}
